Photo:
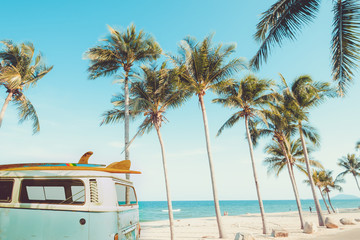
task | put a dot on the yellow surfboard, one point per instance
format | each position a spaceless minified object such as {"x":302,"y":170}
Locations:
{"x":75,"y":168}
{"x":116,"y":167}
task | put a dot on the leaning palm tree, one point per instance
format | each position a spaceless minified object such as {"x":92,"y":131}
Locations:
{"x":279,"y":125}
{"x":20,"y":69}
{"x":319,"y":179}
{"x":351,"y":165}
{"x":204,"y":67}
{"x":330,"y":184}
{"x":248,"y":96}
{"x":285,"y":18}
{"x":302,"y":95}
{"x":120,"y":51}
{"x":151,"y":97}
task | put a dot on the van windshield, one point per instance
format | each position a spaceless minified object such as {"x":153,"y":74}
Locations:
{"x":52,"y":191}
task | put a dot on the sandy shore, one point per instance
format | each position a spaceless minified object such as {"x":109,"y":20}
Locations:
{"x":206,"y":228}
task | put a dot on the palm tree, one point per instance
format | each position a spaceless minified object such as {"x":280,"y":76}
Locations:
{"x":351,"y":165}
{"x":151,"y":97}
{"x":357,"y":146}
{"x":276,"y":161}
{"x":285,"y":18}
{"x":247,"y":95}
{"x":319,"y":178}
{"x":279,"y":125}
{"x":329,"y":183}
{"x":302,"y":95}
{"x":120,"y":51}
{"x":19,"y":71}
{"x":203,"y":67}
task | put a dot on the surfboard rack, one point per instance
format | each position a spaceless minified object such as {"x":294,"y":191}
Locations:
{"x":83,"y":165}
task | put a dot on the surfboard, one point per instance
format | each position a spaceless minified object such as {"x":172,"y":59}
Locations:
{"x":116,"y":167}
{"x":72,"y":168}
{"x":25,"y":165}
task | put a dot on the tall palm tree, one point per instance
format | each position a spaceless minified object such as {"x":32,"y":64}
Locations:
{"x":204,"y":67}
{"x":21,"y":69}
{"x":279,"y":125}
{"x":248,"y":96}
{"x":120,"y":51}
{"x":151,"y":97}
{"x":330,"y":184}
{"x":302,"y":95}
{"x":319,"y":178}
{"x":285,"y":18}
{"x":351,"y":165}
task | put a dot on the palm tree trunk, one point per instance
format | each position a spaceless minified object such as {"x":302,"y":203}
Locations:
{"x":353,"y":174}
{"x":327,"y":193}
{"x":127,"y":152}
{"x":171,"y":217}
{"x":327,"y":207}
{"x":216,"y":200}
{"x":297,"y":191}
{"x":255,"y":175}
{"x":309,"y":173}
{"x":6,"y":103}
{"x":292,"y":179}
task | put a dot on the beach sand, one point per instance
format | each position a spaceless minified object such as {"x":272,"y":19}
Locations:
{"x":206,"y":228}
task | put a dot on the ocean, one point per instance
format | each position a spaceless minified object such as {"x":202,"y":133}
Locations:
{"x":157,"y":210}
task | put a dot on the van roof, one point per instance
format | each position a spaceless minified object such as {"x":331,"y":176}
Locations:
{"x":57,"y":174}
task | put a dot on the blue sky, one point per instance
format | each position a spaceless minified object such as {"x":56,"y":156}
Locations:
{"x":70,"y":106}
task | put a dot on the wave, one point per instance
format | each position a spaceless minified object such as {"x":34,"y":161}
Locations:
{"x":174,"y":210}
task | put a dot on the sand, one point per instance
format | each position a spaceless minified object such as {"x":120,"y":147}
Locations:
{"x":206,"y":228}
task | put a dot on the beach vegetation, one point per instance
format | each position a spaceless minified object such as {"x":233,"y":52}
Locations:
{"x":151,"y":95}
{"x":300,"y":97}
{"x":329,"y":184}
{"x":247,"y":96}
{"x":120,"y":51}
{"x":206,"y":67}
{"x":276,"y":161}
{"x":279,"y":126}
{"x":319,"y":178}
{"x":20,"y":69}
{"x":351,"y":164}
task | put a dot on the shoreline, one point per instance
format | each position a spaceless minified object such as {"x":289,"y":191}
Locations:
{"x":206,"y":227}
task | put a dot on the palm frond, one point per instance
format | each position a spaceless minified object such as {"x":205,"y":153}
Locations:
{"x":311,"y":134}
{"x":229,"y":123}
{"x":345,"y":42}
{"x":120,"y":50}
{"x":27,"y":112}
{"x":283,"y":20}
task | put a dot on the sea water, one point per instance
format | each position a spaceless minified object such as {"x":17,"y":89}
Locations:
{"x":157,"y":210}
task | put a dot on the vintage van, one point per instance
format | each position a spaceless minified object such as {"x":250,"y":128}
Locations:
{"x":45,"y":203}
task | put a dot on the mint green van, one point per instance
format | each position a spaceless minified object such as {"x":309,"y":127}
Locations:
{"x":67,"y":205}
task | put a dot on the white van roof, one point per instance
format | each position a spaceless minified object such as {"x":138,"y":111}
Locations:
{"x":58,"y":174}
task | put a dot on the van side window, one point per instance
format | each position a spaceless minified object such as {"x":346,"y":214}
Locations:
{"x":121,"y":195}
{"x":52,"y":191}
{"x":6,"y":187}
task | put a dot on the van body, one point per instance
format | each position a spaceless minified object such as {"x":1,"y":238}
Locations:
{"x":71,"y":205}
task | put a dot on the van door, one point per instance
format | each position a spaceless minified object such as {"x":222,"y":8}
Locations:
{"x":52,"y":209}
{"x":128,"y":212}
